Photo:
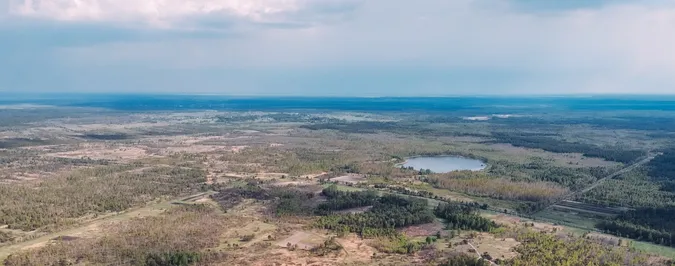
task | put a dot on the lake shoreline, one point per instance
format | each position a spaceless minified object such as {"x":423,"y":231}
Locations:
{"x":445,"y":164}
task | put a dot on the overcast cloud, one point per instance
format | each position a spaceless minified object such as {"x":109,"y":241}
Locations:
{"x":338,"y":47}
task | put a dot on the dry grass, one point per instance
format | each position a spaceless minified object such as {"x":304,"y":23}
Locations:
{"x":182,"y":229}
{"x":303,"y":240}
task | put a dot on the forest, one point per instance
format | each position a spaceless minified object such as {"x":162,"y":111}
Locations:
{"x":546,"y":249}
{"x":617,"y":154}
{"x":647,"y":224}
{"x":342,"y":200}
{"x":463,"y":217}
{"x":634,"y":189}
{"x":96,"y":190}
{"x":662,"y":170}
{"x":388,"y":212}
{"x":649,"y":189}
{"x":180,"y":237}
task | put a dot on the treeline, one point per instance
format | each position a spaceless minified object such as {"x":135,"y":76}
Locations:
{"x":291,"y":202}
{"x":341,"y":200}
{"x":276,"y":117}
{"x":616,"y":154}
{"x":295,"y":161}
{"x":647,"y":224}
{"x":652,"y":185}
{"x":662,"y":167}
{"x":463,"y":217}
{"x":368,"y":127}
{"x":632,"y":189}
{"x":388,"y":213}
{"x":229,"y":197}
{"x":464,"y":260}
{"x":407,"y":191}
{"x":499,"y":188}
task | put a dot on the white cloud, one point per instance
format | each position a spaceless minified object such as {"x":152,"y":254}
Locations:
{"x":168,"y":13}
{"x":622,"y":47}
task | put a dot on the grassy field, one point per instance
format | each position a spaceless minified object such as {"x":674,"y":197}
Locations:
{"x":567,"y":218}
{"x":653,"y":248}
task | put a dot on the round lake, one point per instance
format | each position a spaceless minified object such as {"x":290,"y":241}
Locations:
{"x":444,"y":164}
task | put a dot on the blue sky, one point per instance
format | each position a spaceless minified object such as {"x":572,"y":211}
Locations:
{"x":338,"y":47}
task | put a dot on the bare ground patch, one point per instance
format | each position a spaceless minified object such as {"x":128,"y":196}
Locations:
{"x":422,"y":230}
{"x":497,"y":248}
{"x":302,"y":240}
{"x":103,"y":152}
{"x":350,"y":179}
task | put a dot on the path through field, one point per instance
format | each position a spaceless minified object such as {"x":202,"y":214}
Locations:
{"x":96,"y":226}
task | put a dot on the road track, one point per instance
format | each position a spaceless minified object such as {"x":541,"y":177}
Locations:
{"x":650,"y":156}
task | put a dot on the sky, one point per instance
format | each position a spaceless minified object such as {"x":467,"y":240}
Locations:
{"x":338,"y":47}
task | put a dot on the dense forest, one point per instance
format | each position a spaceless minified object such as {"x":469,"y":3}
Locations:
{"x":617,"y":154}
{"x":650,"y":190}
{"x":388,"y":212}
{"x":662,"y":170}
{"x":341,"y":200}
{"x":648,"y":224}
{"x":482,"y":185}
{"x":652,"y":185}
{"x":463,"y":217}
{"x":634,"y":189}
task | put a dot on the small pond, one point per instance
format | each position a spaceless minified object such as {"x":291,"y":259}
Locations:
{"x":444,"y":164}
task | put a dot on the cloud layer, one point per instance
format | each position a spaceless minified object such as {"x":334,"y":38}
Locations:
{"x":169,"y":13}
{"x":370,"y":47}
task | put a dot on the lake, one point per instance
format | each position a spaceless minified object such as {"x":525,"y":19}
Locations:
{"x":444,"y":164}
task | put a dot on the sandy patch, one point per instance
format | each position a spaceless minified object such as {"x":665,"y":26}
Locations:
{"x":303,"y":240}
{"x":101,"y":152}
{"x":194,"y":149}
{"x":355,"y":210}
{"x":513,"y":221}
{"x":349,"y":179}
{"x":423,"y":229}
{"x":481,"y":243}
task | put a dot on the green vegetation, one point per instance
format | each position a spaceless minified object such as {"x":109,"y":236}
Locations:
{"x":546,"y":249}
{"x":388,"y":213}
{"x":464,"y":217}
{"x":246,"y":157}
{"x":480,"y":185}
{"x":62,"y":200}
{"x":662,"y":167}
{"x":398,"y":244}
{"x":178,"y":238}
{"x":537,"y":141}
{"x":649,"y":224}
{"x":632,"y":189}
{"x":341,"y":200}
{"x":293,"y":202}
{"x":464,"y":260}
